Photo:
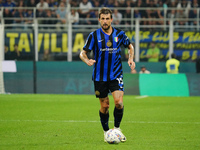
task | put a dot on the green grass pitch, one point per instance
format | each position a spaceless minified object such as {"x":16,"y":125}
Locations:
{"x":71,"y":122}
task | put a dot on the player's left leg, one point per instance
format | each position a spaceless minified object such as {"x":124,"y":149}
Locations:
{"x":118,"y":111}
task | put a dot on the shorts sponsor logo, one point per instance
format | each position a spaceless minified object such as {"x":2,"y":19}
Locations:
{"x":97,"y":93}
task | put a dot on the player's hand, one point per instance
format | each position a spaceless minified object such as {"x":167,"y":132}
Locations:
{"x":148,"y":56}
{"x":131,"y":64}
{"x":90,"y":62}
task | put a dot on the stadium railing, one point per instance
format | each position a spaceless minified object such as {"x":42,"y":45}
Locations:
{"x":39,"y":23}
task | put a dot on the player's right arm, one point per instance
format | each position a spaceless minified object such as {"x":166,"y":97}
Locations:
{"x":83,"y":56}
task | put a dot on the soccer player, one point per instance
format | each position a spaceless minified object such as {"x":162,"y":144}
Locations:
{"x":107,"y":72}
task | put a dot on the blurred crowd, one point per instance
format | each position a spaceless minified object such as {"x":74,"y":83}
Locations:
{"x":83,"y":12}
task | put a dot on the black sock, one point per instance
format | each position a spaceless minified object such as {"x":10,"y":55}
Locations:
{"x":118,"y":114}
{"x":104,"y":120}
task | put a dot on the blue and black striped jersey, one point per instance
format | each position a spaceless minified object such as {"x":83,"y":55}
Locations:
{"x":107,"y":53}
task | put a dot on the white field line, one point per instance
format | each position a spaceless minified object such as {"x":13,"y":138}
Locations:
{"x":141,"y":97}
{"x":90,"y":121}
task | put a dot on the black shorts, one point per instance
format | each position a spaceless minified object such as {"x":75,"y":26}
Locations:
{"x":103,"y":88}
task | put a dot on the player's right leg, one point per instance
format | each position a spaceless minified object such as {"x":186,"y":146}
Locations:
{"x":104,"y":114}
{"x":101,"y":92}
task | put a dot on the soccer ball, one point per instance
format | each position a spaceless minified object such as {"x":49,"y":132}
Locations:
{"x":112,"y":136}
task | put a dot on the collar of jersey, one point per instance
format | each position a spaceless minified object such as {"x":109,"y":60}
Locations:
{"x":107,"y":34}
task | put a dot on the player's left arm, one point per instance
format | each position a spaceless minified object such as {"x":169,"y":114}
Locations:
{"x":131,"y":63}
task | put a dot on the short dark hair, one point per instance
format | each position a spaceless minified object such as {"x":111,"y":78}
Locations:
{"x":173,"y":55}
{"x":105,"y":10}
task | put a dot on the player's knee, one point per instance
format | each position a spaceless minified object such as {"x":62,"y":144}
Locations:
{"x":119,"y":104}
{"x":105,"y":103}
{"x":106,"y":106}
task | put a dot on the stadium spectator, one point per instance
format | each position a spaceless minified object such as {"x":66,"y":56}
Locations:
{"x":162,"y":4}
{"x":109,"y":3}
{"x":182,"y":19}
{"x":94,"y":12}
{"x":10,"y":4}
{"x":53,"y":3}
{"x":127,"y":15}
{"x":96,"y":3}
{"x":195,"y":4}
{"x":102,"y":2}
{"x":185,"y":6}
{"x":134,"y":2}
{"x":15,"y":55}
{"x":117,"y":17}
{"x":37,"y":1}
{"x":40,"y":13}
{"x":116,"y":4}
{"x":7,"y":14}
{"x":138,"y":13}
{"x":46,"y":56}
{"x":124,"y":4}
{"x":50,"y":14}
{"x":74,"y":17}
{"x":2,"y":3}
{"x":94,"y":16}
{"x":128,"y":3}
{"x":144,"y":1}
{"x":153,"y":53}
{"x":85,"y":7}
{"x":154,"y":13}
{"x":172,"y":4}
{"x":20,"y":15}
{"x":84,"y":10}
{"x":21,"y":3}
{"x":171,"y":13}
{"x":31,"y":3}
{"x":144,"y":70}
{"x":165,"y":4}
{"x":41,"y":8}
{"x":61,"y":13}
{"x":193,"y":15}
{"x":74,"y":3}
{"x":42,"y":4}
{"x":29,"y":18}
{"x":6,"y":53}
{"x":172,"y":64}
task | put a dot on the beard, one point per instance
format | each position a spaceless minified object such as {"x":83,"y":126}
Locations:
{"x":105,"y":27}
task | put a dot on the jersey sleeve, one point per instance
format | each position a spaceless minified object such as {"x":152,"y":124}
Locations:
{"x":126,"y":41}
{"x":89,"y":44}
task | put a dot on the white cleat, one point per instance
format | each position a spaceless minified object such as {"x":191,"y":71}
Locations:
{"x":122,"y":137}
